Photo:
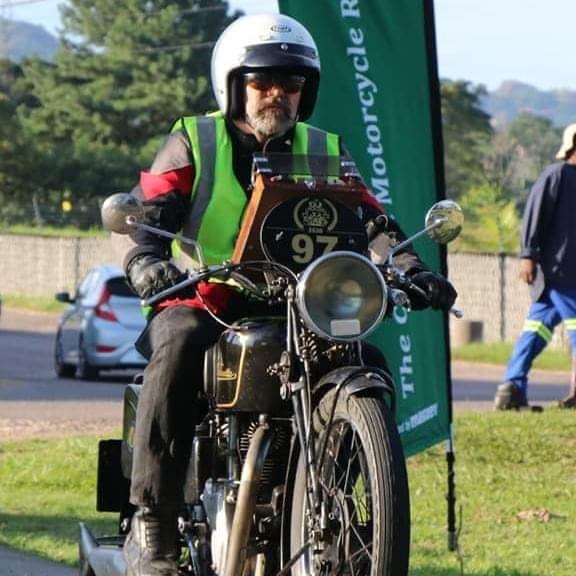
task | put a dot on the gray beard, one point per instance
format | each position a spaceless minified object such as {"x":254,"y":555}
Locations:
{"x":269,"y":123}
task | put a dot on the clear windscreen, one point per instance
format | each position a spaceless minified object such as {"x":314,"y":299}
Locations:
{"x":299,"y":166}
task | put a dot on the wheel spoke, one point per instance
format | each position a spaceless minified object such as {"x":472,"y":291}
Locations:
{"x":346,"y":479}
{"x":349,"y":460}
{"x":364,"y":546}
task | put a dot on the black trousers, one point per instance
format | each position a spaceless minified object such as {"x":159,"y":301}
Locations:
{"x":168,"y":408}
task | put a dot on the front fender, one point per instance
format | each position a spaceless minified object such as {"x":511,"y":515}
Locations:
{"x":352,"y":380}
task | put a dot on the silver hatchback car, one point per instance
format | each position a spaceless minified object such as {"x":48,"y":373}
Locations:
{"x":98,"y":329}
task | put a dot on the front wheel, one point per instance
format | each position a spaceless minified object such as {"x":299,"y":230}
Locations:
{"x":62,"y":369}
{"x":85,"y":370}
{"x":364,"y":489}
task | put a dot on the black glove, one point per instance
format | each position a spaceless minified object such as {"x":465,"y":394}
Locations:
{"x":149,"y":275}
{"x":441,"y":294}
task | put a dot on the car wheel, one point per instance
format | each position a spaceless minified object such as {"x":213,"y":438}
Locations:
{"x":85,"y":370}
{"x":84,"y":569}
{"x":62,"y":369}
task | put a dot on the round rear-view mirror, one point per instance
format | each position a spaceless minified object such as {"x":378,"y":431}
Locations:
{"x":120,"y":212}
{"x":444,"y":221}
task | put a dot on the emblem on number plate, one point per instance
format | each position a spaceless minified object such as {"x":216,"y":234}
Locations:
{"x":315,"y":213}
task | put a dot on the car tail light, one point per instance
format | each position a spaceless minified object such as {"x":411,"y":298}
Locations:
{"x":103,"y":309}
{"x":104,"y":349}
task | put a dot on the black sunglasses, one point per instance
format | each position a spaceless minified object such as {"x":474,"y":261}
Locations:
{"x":263,"y":82}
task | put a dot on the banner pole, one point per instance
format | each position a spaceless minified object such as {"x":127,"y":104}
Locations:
{"x":451,"y":495}
{"x":436,"y":115}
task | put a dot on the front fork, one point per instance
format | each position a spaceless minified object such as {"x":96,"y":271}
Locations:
{"x":300,"y":393}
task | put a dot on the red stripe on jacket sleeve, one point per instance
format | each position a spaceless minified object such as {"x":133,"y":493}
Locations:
{"x":155,"y":185}
{"x":371,"y":200}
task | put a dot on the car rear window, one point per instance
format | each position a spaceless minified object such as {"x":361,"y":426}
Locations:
{"x":119,"y":287}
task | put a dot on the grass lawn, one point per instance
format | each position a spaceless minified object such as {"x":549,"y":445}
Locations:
{"x":500,"y":352}
{"x":32,"y":303}
{"x":55,"y":231}
{"x":507,"y":465}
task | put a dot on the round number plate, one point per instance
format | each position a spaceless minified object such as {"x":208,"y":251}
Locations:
{"x":299,"y":230}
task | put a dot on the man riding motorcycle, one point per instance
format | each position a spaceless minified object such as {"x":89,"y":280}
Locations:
{"x":265,"y":76}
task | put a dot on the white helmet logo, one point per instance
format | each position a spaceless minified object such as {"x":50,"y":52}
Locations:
{"x":283,"y":28}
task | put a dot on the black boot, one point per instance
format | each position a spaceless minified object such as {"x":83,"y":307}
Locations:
{"x":151,"y":547}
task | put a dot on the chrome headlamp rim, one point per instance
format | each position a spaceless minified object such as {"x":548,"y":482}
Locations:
{"x":301,"y":293}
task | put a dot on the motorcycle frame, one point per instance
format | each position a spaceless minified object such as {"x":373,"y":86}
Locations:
{"x":303,"y":394}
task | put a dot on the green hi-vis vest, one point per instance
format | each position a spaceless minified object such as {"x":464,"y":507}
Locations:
{"x":218,"y":200}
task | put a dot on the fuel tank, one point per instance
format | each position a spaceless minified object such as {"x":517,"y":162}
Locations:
{"x":236,"y":370}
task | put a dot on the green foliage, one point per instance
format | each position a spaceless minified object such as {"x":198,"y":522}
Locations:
{"x":538,"y":141}
{"x":15,"y":157}
{"x":466,"y":128}
{"x":124,"y":72}
{"x":508,"y":163}
{"x":492,"y":221}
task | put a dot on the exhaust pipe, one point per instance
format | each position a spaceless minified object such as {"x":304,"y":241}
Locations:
{"x":105,"y":559}
{"x":249,"y":480}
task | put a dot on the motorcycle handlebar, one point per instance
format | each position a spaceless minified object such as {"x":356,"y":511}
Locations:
{"x":397,"y":296}
{"x":192,"y":280}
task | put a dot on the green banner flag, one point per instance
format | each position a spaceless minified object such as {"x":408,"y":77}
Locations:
{"x":379,"y":90}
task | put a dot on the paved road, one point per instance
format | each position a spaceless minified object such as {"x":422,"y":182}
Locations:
{"x":14,"y":563}
{"x":474,"y":385}
{"x":30,"y":391}
{"x":33,"y":400}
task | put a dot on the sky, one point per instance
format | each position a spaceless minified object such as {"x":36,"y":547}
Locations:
{"x":483,"y":41}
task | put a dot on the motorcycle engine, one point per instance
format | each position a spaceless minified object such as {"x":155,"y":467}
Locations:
{"x":218,"y":499}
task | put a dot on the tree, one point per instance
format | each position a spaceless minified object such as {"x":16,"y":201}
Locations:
{"x":538,"y":140}
{"x":492,"y":217}
{"x":510,"y":163}
{"x":125,"y":71}
{"x":466,"y":129}
{"x":15,"y":154}
{"x":492,"y":221}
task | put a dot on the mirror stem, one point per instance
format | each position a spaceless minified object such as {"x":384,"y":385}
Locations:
{"x":409,"y":241}
{"x":131,"y":221}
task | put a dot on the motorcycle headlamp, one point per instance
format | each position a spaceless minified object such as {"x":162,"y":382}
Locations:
{"x":342,"y":296}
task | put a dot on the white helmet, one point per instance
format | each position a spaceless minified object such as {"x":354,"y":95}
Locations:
{"x":262,"y":42}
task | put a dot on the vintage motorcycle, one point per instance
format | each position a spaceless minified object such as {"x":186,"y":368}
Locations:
{"x":298,"y":467}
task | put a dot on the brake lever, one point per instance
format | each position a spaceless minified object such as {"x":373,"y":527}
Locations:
{"x":455,"y":310}
{"x":376,"y":226}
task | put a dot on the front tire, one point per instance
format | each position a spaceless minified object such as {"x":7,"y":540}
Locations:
{"x":84,"y":568}
{"x":365,"y":488}
{"x":62,"y":369}
{"x":85,"y":370}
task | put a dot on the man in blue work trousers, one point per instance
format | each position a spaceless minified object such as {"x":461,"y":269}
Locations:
{"x":548,"y":266}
